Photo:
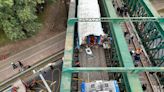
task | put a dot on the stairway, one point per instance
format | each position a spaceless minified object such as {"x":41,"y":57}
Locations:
{"x":107,"y":57}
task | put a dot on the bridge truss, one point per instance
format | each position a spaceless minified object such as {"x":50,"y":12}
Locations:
{"x":148,"y":25}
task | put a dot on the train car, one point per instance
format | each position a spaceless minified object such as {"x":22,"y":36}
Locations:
{"x":100,"y":86}
{"x":89,"y":33}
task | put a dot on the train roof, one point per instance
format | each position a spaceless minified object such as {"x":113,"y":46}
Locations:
{"x":89,"y":9}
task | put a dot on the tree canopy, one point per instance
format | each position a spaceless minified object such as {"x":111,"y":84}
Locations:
{"x":18,"y":18}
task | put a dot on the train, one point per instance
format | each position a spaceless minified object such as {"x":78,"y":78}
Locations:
{"x":90,"y":33}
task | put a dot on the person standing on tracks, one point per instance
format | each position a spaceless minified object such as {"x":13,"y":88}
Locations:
{"x":14,"y":65}
{"x":113,"y":2}
{"x":118,"y":10}
{"x":137,"y":55}
{"x":131,"y":38}
{"x":125,"y":9}
{"x":126,"y":33}
{"x":121,"y":11}
{"x":132,"y":52}
{"x":144,"y":87}
{"x":20,"y":64}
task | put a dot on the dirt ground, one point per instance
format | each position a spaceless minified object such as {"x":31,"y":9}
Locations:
{"x":159,"y":6}
{"x":54,"y":22}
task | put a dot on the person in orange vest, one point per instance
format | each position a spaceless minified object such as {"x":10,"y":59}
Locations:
{"x":138,"y":51}
{"x":137,"y":54}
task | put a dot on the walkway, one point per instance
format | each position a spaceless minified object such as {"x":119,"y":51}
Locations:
{"x":144,"y":77}
{"x":97,"y":60}
{"x":32,"y":55}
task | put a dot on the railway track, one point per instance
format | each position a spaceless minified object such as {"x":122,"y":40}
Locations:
{"x":145,"y":62}
{"x":55,"y":57}
{"x":153,"y":84}
{"x":144,"y":77}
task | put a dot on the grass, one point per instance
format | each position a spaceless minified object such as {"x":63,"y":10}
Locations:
{"x":3,"y":39}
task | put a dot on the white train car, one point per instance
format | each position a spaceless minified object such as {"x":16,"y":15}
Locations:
{"x":100,"y":86}
{"x":89,"y":33}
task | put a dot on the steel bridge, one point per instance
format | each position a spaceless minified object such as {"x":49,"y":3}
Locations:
{"x":148,"y":26}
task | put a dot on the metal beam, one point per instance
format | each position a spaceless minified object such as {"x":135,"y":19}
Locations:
{"x":115,"y":69}
{"x":68,"y":53}
{"x":152,"y":38}
{"x":122,"y":51}
{"x":153,"y":13}
{"x":161,"y":59}
{"x":156,"y":48}
{"x":44,"y":81}
{"x":117,"y":19}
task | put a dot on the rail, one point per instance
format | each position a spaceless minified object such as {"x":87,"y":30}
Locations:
{"x":52,"y":58}
{"x":147,"y":59}
{"x":145,"y":54}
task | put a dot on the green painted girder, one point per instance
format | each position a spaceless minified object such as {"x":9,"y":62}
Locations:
{"x":160,"y":59}
{"x":115,"y":69}
{"x":156,"y":48}
{"x":152,"y":38}
{"x":122,"y":51}
{"x":147,"y":28}
{"x":153,"y":13}
{"x":150,"y":28}
{"x":66,"y":76}
{"x":133,"y":5}
{"x":117,"y":19}
{"x":129,"y":2}
{"x":68,"y":58}
{"x":68,"y":53}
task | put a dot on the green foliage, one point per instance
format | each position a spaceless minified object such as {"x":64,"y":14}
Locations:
{"x":18,"y":18}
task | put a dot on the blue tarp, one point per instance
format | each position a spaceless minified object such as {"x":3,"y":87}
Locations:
{"x":116,"y":86}
{"x":83,"y":87}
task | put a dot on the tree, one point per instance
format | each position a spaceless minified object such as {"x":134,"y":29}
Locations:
{"x":18,"y":18}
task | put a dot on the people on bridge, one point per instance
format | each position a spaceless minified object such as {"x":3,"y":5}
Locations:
{"x":144,"y":87}
{"x":121,"y":11}
{"x":125,"y":9}
{"x":137,"y":54}
{"x":113,"y":3}
{"x":131,"y":38}
{"x":77,"y":63}
{"x":126,"y":33}
{"x":132,"y":52}
{"x":20,"y":64}
{"x":118,"y":10}
{"x":14,"y":65}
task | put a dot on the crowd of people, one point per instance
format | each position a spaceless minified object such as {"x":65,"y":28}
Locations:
{"x":122,"y":11}
{"x":19,"y":64}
